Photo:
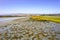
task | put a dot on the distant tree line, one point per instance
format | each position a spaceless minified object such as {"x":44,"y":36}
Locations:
{"x":10,"y":16}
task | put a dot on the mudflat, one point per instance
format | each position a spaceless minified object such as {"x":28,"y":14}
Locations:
{"x":25,"y":29}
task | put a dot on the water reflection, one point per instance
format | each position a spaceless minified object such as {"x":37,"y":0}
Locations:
{"x":9,"y":19}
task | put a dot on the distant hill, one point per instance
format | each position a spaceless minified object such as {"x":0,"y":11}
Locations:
{"x":21,"y":15}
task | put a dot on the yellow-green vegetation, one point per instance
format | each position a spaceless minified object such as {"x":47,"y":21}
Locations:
{"x":46,"y":18}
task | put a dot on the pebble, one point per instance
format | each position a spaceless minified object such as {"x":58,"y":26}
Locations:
{"x":30,"y":30}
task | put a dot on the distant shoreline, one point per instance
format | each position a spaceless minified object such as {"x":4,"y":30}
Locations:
{"x":11,"y":21}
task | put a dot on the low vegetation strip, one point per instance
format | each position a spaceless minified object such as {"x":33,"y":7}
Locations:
{"x":46,"y":18}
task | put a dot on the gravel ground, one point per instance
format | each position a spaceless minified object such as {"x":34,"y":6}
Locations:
{"x":30,"y":30}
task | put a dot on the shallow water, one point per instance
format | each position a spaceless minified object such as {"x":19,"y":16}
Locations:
{"x":47,"y":30}
{"x":9,"y":19}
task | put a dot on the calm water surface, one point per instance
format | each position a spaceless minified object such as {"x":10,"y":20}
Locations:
{"x":9,"y":19}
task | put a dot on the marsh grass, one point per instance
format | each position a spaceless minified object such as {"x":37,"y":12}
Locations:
{"x":45,"y":18}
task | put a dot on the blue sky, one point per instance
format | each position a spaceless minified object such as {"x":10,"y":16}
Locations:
{"x":29,"y":6}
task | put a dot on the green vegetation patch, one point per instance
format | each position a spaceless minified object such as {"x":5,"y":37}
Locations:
{"x":46,"y":18}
